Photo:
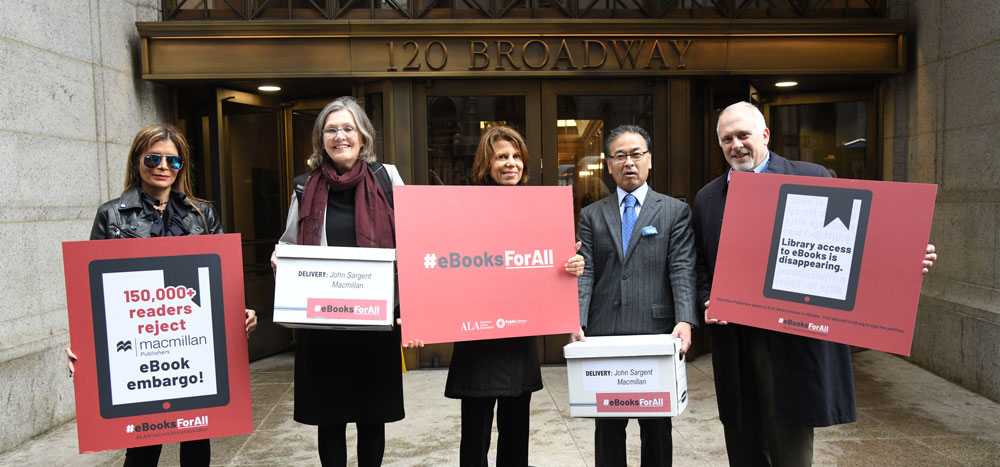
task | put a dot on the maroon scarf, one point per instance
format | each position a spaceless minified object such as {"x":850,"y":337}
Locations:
{"x":374,"y":222}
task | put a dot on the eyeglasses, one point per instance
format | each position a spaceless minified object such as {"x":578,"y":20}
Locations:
{"x":153,"y":161}
{"x":348,"y":131}
{"x":635,"y":156}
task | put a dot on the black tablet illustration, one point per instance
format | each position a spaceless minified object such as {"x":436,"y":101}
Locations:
{"x":817,"y":245}
{"x":159,"y":334}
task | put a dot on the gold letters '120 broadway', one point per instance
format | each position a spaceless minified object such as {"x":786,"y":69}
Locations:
{"x":536,"y":54}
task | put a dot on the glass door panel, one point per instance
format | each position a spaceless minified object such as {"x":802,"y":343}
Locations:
{"x":252,"y":149}
{"x":837,"y":130}
{"x":582,"y":121}
{"x":454,"y":126}
{"x":831,"y":134}
{"x":576,"y":117}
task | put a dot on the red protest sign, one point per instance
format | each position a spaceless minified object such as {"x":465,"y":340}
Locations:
{"x":157,"y":325}
{"x":485,"y":262}
{"x":832,"y":259}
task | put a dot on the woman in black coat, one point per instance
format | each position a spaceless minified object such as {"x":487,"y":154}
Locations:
{"x":498,"y":372}
{"x":343,"y":376}
{"x":157,"y":202}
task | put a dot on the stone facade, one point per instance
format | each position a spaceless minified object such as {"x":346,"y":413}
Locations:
{"x":941,"y":121}
{"x":72,"y":101}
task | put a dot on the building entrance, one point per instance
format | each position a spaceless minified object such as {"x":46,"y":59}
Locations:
{"x":254,"y":145}
{"x":563,"y":122}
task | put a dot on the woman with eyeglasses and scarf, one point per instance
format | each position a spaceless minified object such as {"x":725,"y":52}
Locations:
{"x":157,"y":202}
{"x":346,"y":376}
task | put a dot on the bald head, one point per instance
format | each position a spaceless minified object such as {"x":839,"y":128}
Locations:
{"x":743,"y":135}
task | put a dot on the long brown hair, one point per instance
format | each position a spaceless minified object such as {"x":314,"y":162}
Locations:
{"x":144,"y":140}
{"x":485,"y":154}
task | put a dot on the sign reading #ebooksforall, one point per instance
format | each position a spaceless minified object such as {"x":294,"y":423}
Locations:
{"x":485,"y":262}
{"x":157,"y":325}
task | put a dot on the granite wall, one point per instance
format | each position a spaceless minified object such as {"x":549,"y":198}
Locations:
{"x":71,"y":102}
{"x":942,"y":122}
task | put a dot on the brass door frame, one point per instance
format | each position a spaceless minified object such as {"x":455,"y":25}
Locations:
{"x":671,"y":138}
{"x":530,"y":89}
{"x":872,"y":123}
{"x":225,"y":163}
{"x":275,"y":338}
{"x":663,"y":140}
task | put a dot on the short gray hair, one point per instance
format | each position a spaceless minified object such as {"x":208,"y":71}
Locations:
{"x":365,"y":128}
{"x":621,"y":130}
{"x":758,"y":117}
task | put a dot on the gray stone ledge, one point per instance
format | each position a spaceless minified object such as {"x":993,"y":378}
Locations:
{"x":97,"y":64}
{"x":14,"y":214}
{"x":973,"y":301}
{"x":51,"y":343}
{"x":989,"y":196}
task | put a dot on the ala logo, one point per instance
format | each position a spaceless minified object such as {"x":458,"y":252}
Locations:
{"x":130,"y":428}
{"x":478,"y":325}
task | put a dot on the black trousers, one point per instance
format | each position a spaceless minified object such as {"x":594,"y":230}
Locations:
{"x":654,"y":434}
{"x":512,"y":429}
{"x":333,"y":444}
{"x":193,"y":454}
{"x":762,"y":442}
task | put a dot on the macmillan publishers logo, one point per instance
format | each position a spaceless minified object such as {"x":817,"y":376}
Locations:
{"x":510,"y":259}
{"x":817,"y":328}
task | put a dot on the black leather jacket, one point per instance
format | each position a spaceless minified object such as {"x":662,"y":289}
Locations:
{"x":122,"y":218}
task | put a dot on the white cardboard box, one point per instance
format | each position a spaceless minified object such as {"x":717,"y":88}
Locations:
{"x":324,"y":287}
{"x":626,"y":377}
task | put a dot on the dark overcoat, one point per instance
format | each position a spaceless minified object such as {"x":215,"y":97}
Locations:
{"x":494,"y":368}
{"x":813,"y":380}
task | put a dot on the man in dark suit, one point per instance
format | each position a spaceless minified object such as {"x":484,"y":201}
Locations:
{"x":772,"y":388}
{"x":637,"y":280}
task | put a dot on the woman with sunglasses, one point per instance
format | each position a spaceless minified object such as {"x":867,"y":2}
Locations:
{"x":157,"y":202}
{"x":499,"y":373}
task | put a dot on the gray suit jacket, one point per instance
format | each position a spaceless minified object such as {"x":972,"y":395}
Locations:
{"x":651,"y":287}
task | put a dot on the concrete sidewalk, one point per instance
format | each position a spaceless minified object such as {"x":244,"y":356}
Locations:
{"x":906,"y":417}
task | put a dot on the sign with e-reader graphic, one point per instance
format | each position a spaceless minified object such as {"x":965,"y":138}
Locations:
{"x":841,"y":260}
{"x":159,"y":335}
{"x":485,"y":262}
{"x":817,"y":245}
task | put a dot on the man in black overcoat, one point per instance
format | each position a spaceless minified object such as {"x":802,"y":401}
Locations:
{"x":772,"y":387}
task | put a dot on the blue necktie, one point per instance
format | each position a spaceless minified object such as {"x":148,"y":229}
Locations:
{"x":628,"y":221}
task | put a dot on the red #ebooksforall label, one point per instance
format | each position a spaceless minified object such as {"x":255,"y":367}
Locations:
{"x":346,"y":308}
{"x":633,"y":402}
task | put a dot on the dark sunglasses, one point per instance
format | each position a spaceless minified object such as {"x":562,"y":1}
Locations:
{"x":153,"y":161}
